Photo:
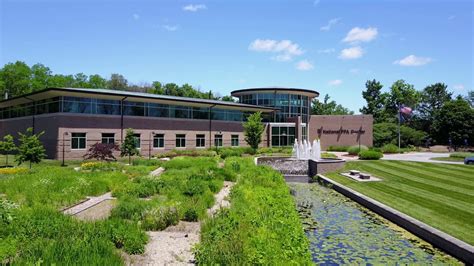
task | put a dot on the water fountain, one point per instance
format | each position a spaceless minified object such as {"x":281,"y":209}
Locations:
{"x":305,"y":160}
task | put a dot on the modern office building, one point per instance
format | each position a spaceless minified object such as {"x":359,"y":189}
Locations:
{"x":73,"y":119}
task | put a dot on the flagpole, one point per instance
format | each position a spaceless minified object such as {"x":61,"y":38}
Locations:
{"x":399,"y":118}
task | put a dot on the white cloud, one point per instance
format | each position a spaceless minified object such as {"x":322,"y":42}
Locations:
{"x":413,"y":60}
{"x":285,"y":49}
{"x":335,"y":82}
{"x":304,"y":65}
{"x":136,"y":16}
{"x":459,"y":87}
{"x":356,"y":35}
{"x":171,"y":27}
{"x":194,"y":8}
{"x":326,"y":51}
{"x":351,"y":53}
{"x":331,"y":23}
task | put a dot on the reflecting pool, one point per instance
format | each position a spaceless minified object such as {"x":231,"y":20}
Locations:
{"x":343,"y":232}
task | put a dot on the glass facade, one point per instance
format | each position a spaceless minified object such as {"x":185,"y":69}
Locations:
{"x":290,"y":105}
{"x":283,"y":135}
{"x":67,"y":104}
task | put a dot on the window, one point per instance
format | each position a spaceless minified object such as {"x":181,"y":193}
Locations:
{"x":218,"y":140}
{"x":159,"y":141}
{"x":180,"y":140}
{"x":78,"y":141}
{"x":234,"y":140}
{"x":108,"y":138}
{"x":283,"y":135}
{"x":137,"y":140}
{"x":200,"y":140}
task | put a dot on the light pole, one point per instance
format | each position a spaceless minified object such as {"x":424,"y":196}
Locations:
{"x":64,"y":134}
{"x":149,"y":144}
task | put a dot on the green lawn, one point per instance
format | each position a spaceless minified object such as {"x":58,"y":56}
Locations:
{"x":441,"y":195}
{"x":449,"y":159}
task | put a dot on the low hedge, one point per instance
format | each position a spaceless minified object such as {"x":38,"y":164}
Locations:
{"x":328,"y":155}
{"x":370,"y":155}
{"x":260,"y":227}
{"x":354,"y":150}
{"x":390,"y":148}
{"x":338,"y":148}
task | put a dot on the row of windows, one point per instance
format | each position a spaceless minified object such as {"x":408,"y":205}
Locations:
{"x":112,"y":107}
{"x":78,"y":140}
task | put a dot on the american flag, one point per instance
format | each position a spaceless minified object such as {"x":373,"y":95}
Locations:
{"x":405,"y":110}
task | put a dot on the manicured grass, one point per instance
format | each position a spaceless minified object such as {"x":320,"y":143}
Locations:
{"x":441,"y":195}
{"x":261,"y":226}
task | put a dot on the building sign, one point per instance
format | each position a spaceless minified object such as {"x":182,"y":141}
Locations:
{"x":340,"y":131}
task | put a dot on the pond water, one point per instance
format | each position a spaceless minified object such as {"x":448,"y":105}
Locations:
{"x":343,"y":232}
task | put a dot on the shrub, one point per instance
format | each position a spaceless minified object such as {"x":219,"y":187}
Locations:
{"x":102,"y":152}
{"x":190,"y":153}
{"x":190,"y":215}
{"x":338,"y":148}
{"x":129,"y":208}
{"x":127,"y":235}
{"x":390,"y":148}
{"x":234,"y":151}
{"x":370,"y":155}
{"x":354,"y":150}
{"x":386,"y":133}
{"x":159,"y":218}
{"x":100,"y":166}
{"x":283,"y":150}
{"x":7,"y":211}
{"x":146,"y":162}
{"x":194,"y":187}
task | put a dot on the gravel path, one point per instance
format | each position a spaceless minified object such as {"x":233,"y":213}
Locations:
{"x":173,"y":246}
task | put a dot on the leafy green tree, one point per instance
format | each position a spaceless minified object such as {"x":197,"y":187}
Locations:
{"x":253,"y":130}
{"x":128,"y":147}
{"x":15,"y":79}
{"x":81,"y":81}
{"x":329,"y":107}
{"x":432,"y":99}
{"x":387,"y":133}
{"x":227,"y":98}
{"x":375,"y":99}
{"x":117,"y":82}
{"x":40,"y":77}
{"x":97,"y":82}
{"x":456,"y":121}
{"x":470,"y":98}
{"x":7,"y":146}
{"x":30,"y":149}
{"x":157,"y":88}
{"x":401,"y":93}
{"x":62,"y":81}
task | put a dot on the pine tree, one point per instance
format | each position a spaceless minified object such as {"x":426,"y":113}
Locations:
{"x":31,"y":149}
{"x":128,"y":147}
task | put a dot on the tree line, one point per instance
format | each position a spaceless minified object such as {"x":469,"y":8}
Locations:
{"x":18,"y":78}
{"x":438,"y":117}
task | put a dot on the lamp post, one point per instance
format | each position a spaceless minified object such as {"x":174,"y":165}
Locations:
{"x":149,"y":144}
{"x":64,"y":134}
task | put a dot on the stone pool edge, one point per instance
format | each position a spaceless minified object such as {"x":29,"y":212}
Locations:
{"x":447,"y":243}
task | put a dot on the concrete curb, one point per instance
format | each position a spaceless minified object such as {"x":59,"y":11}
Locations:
{"x":441,"y":240}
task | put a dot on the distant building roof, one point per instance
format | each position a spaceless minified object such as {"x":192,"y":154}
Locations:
{"x":129,"y":96}
{"x":306,"y":92}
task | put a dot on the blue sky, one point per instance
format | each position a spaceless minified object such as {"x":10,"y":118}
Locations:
{"x":330,"y":46}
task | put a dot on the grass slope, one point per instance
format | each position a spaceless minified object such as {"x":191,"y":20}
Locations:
{"x":440,"y":195}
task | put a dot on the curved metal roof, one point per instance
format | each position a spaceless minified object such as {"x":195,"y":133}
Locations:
{"x":306,"y":92}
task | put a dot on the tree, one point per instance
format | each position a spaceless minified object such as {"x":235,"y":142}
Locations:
{"x":30,"y":149}
{"x":470,"y":98}
{"x":15,"y":79}
{"x":387,"y":133}
{"x":401,"y":93}
{"x":97,"y":82}
{"x":128,"y":147}
{"x":40,"y":77}
{"x":102,"y":152}
{"x":253,"y":130}
{"x":117,"y":82}
{"x":7,"y":146}
{"x":456,"y":121}
{"x":328,"y":107}
{"x":432,"y":99}
{"x":227,"y":98}
{"x":157,"y":88}
{"x":375,"y":100}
